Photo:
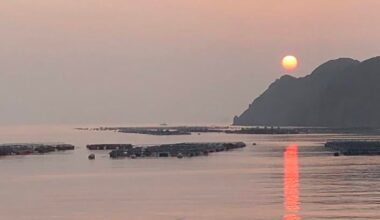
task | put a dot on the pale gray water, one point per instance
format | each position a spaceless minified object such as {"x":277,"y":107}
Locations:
{"x":258,"y":182}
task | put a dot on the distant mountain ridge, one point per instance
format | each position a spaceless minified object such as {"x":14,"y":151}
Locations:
{"x":339,"y":93}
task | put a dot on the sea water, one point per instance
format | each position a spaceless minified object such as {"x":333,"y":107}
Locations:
{"x":288,"y":177}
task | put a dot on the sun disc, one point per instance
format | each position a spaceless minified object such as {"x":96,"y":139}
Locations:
{"x":289,"y":63}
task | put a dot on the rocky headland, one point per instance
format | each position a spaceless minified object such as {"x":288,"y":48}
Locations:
{"x":340,"y":93}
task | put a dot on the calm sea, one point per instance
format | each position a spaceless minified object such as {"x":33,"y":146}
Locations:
{"x":288,"y":177}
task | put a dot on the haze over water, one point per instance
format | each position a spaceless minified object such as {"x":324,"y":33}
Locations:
{"x":283,"y":177}
{"x":128,"y":61}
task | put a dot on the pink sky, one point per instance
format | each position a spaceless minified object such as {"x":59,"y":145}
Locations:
{"x":121,"y":61}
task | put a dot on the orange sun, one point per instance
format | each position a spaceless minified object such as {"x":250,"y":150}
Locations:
{"x":289,"y":63}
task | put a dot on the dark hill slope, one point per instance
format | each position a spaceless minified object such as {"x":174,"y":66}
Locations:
{"x":339,"y":93}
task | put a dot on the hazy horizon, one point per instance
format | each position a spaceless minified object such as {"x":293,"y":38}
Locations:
{"x":168,"y":61}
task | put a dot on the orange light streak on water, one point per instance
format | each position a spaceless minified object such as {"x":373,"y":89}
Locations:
{"x":291,"y":183}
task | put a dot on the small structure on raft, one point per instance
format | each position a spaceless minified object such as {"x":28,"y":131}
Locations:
{"x":178,"y":150}
{"x":25,"y":149}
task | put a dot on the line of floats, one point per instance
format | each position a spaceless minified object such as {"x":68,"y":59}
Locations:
{"x":179,"y":150}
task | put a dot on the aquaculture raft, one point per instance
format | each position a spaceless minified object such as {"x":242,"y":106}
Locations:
{"x":25,"y":149}
{"x":179,"y":150}
{"x":355,"y":147}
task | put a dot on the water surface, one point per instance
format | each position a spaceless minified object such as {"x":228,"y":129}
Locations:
{"x":282,"y":177}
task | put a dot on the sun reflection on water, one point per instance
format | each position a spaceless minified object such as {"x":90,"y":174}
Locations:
{"x":291,"y":183}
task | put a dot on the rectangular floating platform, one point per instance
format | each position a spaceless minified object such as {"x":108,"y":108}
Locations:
{"x":176,"y":150}
{"x":355,"y":147}
{"x":108,"y":146}
{"x":25,"y":149}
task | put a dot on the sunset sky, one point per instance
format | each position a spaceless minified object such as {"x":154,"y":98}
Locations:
{"x":122,"y":61}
